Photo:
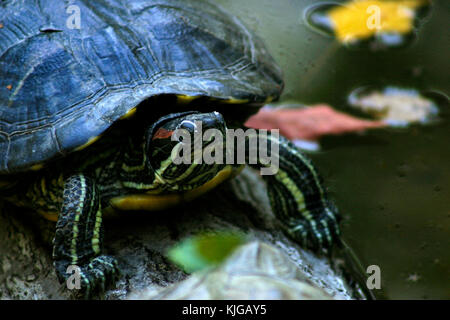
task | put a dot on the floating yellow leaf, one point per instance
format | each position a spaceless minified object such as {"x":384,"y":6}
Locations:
{"x":362,"y":19}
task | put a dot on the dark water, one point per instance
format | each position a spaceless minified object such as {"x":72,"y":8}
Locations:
{"x":392,"y":185}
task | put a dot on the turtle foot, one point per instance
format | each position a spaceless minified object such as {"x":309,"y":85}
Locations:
{"x":88,"y":280}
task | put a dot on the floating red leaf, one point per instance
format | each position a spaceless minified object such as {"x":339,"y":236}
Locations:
{"x":309,"y":123}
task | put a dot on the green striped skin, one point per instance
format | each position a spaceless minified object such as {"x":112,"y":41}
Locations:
{"x":299,"y":199}
{"x":79,"y":236}
{"x":77,"y":191}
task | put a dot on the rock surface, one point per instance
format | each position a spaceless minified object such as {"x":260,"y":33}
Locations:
{"x":140,"y":242}
{"x":255,"y":271}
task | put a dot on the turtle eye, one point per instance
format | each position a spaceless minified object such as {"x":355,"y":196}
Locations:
{"x":188,"y":125}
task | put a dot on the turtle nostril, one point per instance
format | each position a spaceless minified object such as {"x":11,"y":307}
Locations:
{"x":215,"y":121}
{"x":219,"y":117}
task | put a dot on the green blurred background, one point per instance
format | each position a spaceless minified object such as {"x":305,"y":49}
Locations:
{"x":392,"y":185}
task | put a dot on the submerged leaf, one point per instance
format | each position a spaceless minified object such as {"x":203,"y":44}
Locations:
{"x":205,"y":250}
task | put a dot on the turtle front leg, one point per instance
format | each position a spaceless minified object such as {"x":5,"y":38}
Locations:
{"x":296,"y":193}
{"x":79,"y":237}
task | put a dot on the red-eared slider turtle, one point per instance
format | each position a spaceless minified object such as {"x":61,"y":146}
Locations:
{"x":72,"y":74}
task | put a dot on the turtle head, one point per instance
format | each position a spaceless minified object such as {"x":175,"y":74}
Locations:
{"x":185,"y":150}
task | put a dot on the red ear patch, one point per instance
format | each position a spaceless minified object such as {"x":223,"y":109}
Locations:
{"x":162,"y":134}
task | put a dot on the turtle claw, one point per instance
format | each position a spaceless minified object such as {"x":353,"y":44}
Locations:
{"x":91,"y":279}
{"x":99,"y":273}
{"x":319,"y":234}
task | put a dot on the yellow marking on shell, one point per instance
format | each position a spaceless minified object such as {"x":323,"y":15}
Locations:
{"x":184,"y":99}
{"x":88,"y":143}
{"x":145,"y":202}
{"x":37,"y":167}
{"x":268,"y":99}
{"x":51,"y":216}
{"x":152,"y":202}
{"x":236,"y":101}
{"x":129,"y":114}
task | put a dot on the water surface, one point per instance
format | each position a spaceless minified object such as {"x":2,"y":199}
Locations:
{"x":392,"y":185}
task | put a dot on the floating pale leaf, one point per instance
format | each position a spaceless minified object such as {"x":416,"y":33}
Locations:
{"x":395,"y":106}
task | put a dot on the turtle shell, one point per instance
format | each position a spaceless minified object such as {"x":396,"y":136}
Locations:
{"x":70,"y":71}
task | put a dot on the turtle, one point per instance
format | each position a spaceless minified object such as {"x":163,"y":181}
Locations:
{"x":96,"y":96}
